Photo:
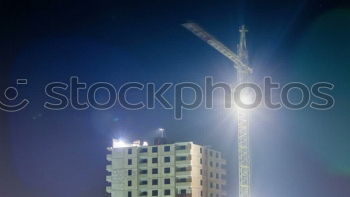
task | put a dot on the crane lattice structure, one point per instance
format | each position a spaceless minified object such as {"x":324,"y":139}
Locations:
{"x":240,"y":61}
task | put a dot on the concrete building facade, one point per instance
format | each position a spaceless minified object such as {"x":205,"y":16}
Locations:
{"x":168,"y":170}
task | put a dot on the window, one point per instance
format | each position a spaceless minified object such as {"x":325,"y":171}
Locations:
{"x":143,"y":160}
{"x":129,"y":172}
{"x":182,"y":180}
{"x":154,"y":149}
{"x":211,"y":175}
{"x":183,"y":191}
{"x":143,"y":182}
{"x":143,"y":150}
{"x":143,"y":171}
{"x":129,"y":183}
{"x":143,"y":193}
{"x":154,"y":171}
{"x":217,"y":155}
{"x":201,"y":193}
{"x":129,"y":161}
{"x":201,"y":172}
{"x":200,"y":150}
{"x":181,"y":158}
{"x":129,"y":151}
{"x":216,"y":164}
{"x":166,"y":148}
{"x":181,"y":169}
{"x":211,"y":185}
{"x":166,"y":170}
{"x":166,"y":159}
{"x":166,"y":181}
{"x":217,"y":175}
{"x":167,"y":192}
{"x":201,"y":161}
{"x":211,"y":153}
{"x":211,"y":164}
{"x":154,"y":160}
{"x":154,"y":192}
{"x":129,"y":194}
{"x":201,"y":182}
{"x":183,"y":147}
{"x":211,"y":194}
{"x":154,"y":181}
{"x":217,"y":195}
{"x":217,"y":186}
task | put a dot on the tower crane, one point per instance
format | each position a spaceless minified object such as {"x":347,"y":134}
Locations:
{"x":240,"y":61}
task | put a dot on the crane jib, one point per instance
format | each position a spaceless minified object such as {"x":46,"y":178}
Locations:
{"x":205,"y":36}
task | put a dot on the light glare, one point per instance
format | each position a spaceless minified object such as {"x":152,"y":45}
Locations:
{"x":117,"y":143}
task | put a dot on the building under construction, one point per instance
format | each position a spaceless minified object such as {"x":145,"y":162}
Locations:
{"x":181,"y":169}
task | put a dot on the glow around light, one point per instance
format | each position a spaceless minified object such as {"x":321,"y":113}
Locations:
{"x":117,"y":143}
{"x":247,"y":96}
{"x":247,"y":99}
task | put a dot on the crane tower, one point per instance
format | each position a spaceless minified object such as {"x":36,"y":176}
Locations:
{"x":240,"y":61}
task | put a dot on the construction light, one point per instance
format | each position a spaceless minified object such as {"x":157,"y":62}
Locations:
{"x":247,"y":98}
{"x":117,"y":143}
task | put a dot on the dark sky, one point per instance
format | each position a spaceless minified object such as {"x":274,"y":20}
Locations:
{"x":46,"y":153}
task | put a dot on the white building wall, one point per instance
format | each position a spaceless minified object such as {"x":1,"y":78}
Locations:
{"x":184,"y":175}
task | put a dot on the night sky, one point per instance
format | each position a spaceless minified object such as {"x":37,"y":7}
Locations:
{"x":43,"y":153}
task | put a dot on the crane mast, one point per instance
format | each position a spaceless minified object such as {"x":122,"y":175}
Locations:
{"x":240,"y":61}
{"x":243,"y":123}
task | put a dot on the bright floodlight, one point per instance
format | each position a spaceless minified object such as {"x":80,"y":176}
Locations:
{"x":246,"y":99}
{"x":117,"y":143}
{"x":247,"y":96}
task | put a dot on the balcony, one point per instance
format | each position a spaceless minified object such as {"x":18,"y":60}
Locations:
{"x":143,"y":163}
{"x":183,"y":171}
{"x":179,"y":150}
{"x":109,"y":157}
{"x":143,"y":193}
{"x":183,"y":181}
{"x":109,"y":168}
{"x":109,"y":179}
{"x":183,"y":160}
{"x":143,"y":173}
{"x":184,"y":195}
{"x":109,"y":189}
{"x":143,"y":150}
